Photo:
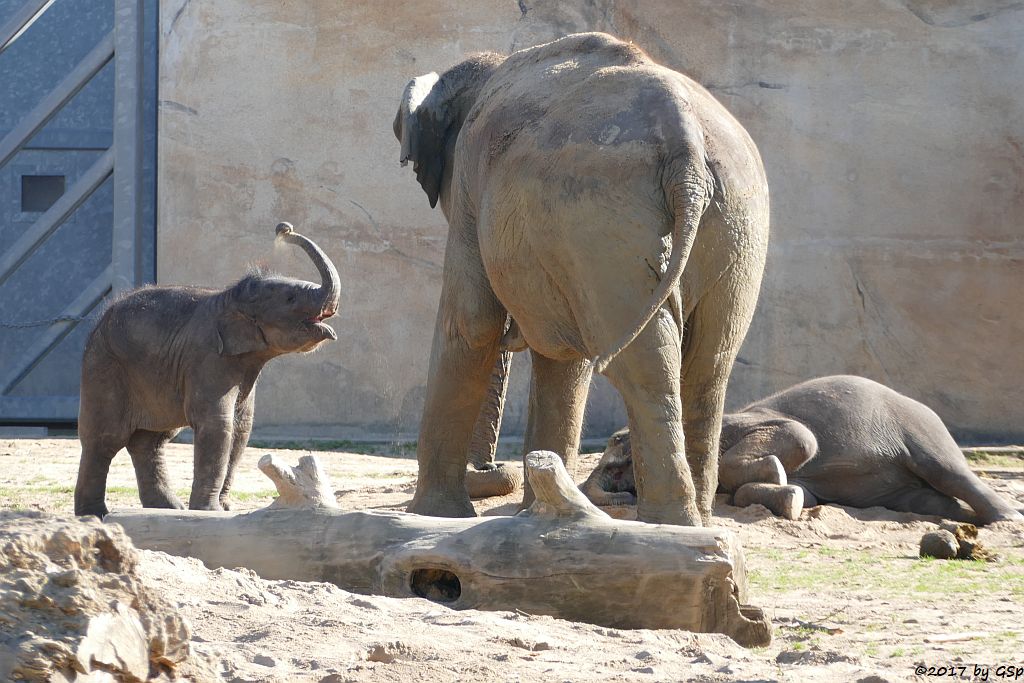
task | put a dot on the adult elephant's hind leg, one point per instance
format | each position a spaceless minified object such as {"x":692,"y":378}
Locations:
{"x":714,"y":333}
{"x":147,"y":451}
{"x":646,"y":374}
{"x":558,"y":397}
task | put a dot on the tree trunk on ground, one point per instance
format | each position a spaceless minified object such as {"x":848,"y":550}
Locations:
{"x":562,"y":556}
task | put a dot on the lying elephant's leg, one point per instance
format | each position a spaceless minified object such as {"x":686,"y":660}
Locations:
{"x":646,"y":374}
{"x":935,"y":458}
{"x":147,"y":451}
{"x":928,"y":501}
{"x":766,"y":454}
{"x":558,"y":397}
{"x":784,"y":501}
{"x":239,"y":440}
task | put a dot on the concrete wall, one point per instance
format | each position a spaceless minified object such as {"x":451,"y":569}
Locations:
{"x":892,"y":132}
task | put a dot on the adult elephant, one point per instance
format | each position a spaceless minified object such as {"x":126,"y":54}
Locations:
{"x":566,"y":171}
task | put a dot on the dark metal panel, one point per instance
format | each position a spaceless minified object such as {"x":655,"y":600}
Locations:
{"x":51,"y":297}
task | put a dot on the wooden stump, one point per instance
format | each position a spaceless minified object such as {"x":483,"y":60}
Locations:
{"x":562,"y":557}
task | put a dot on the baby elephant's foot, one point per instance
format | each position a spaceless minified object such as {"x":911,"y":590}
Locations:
{"x":783,"y":501}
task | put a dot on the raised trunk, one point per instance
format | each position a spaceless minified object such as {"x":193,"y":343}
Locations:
{"x":330,"y":289}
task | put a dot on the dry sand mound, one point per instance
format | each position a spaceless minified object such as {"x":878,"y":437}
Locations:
{"x":73,"y":608}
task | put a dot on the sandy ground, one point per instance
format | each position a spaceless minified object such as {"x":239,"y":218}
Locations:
{"x":848,"y":596}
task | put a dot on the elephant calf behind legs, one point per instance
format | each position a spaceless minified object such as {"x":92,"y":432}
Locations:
{"x":834,"y":438}
{"x":163,"y":358}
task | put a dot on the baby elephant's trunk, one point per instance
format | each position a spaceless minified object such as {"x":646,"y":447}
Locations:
{"x":330,"y":290}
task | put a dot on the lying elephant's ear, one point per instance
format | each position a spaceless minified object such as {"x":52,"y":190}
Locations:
{"x":421,"y":125}
{"x":238,"y":334}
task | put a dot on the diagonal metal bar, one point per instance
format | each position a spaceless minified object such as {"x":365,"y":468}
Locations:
{"x":125,"y":254}
{"x":51,"y":104}
{"x":45,"y":342}
{"x":44,"y":226}
{"x":23,"y":18}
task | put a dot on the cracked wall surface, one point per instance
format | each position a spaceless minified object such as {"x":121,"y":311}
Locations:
{"x":892,"y":132}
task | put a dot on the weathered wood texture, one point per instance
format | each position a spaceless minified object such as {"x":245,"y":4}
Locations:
{"x":562,"y":557}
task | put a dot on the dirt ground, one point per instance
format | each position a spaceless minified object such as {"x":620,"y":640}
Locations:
{"x":848,"y":596}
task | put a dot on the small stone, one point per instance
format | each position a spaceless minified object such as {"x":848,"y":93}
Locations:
{"x":645,"y":670}
{"x":386,"y":653}
{"x":940,"y":544}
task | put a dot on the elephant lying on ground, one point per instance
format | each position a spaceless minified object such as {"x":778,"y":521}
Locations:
{"x":163,"y":358}
{"x":619,"y":214}
{"x":842,"y":439}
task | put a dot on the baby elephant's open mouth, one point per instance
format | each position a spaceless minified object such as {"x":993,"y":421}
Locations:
{"x":318,"y":322}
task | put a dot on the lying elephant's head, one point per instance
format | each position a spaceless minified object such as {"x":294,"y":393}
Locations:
{"x":431,"y":113}
{"x":271,"y":315}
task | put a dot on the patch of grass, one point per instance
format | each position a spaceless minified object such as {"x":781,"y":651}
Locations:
{"x":988,"y":459}
{"x":851,"y":570}
{"x":897,"y":652}
{"x":246,"y":495}
{"x":390,"y":449}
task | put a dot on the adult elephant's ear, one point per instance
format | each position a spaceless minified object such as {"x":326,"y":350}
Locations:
{"x":238,"y":334}
{"x":421,"y":125}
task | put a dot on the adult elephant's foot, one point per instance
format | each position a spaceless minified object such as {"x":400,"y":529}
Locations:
{"x":677,"y":514}
{"x":442,"y":505}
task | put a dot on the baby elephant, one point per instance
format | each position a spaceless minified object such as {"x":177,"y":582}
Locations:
{"x":162,"y":358}
{"x":841,"y":439}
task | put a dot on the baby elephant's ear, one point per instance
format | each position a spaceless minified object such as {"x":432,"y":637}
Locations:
{"x":238,"y":334}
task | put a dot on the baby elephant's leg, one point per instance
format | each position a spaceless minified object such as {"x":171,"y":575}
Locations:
{"x":766,"y":455}
{"x":239,"y":440}
{"x":147,"y":451}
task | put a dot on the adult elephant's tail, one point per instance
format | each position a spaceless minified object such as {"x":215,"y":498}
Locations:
{"x":688,"y":185}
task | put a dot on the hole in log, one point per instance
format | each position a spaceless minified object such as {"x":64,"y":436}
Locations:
{"x":437,"y":585}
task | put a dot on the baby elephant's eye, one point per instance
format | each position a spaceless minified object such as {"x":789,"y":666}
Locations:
{"x":291,"y":298}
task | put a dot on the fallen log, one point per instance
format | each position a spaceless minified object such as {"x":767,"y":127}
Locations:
{"x":561,"y":557}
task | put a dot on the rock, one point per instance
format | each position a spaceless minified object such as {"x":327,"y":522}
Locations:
{"x":264,"y":660}
{"x":72,"y":606}
{"x":386,"y":653}
{"x":940,"y":544}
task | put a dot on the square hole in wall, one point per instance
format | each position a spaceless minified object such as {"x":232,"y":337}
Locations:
{"x":39,"y":192}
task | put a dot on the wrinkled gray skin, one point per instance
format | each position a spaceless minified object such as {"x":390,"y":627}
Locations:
{"x":162,"y":358}
{"x":588,"y":192}
{"x":841,"y":439}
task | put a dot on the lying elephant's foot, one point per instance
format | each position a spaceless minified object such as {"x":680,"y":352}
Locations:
{"x":455,"y":504}
{"x":673,"y":513}
{"x":783,"y":501}
{"x":1007,"y":515}
{"x":492,"y":480}
{"x":735,"y":472}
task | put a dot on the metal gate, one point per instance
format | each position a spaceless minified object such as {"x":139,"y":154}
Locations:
{"x":77,"y":186}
